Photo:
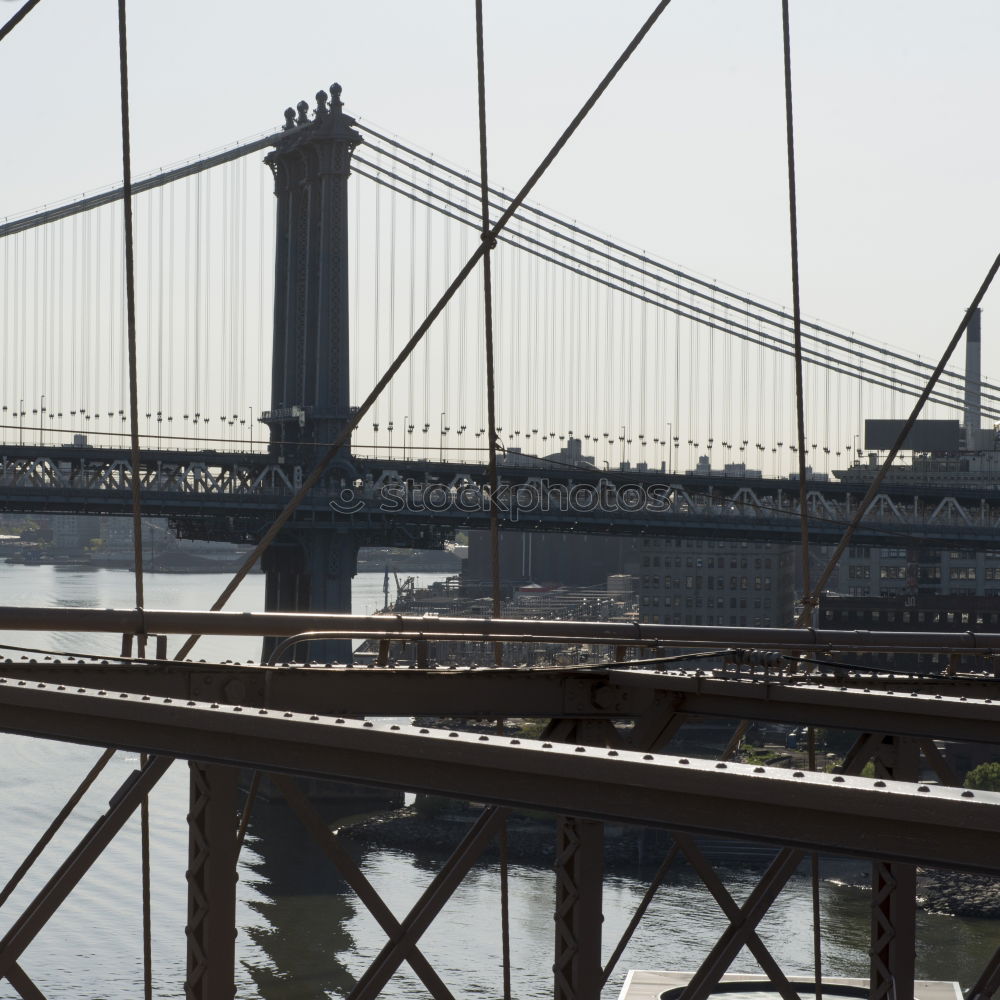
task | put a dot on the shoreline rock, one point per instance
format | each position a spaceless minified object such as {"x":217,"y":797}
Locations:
{"x":959,"y":894}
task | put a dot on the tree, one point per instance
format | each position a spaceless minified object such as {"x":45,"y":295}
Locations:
{"x":985,"y":777}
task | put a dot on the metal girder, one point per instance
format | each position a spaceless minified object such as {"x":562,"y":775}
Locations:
{"x":579,"y":868}
{"x":25,"y":986}
{"x":183,"y":483}
{"x":650,"y":696}
{"x":211,"y":878}
{"x":847,"y":815}
{"x":449,"y":877}
{"x":737,"y":934}
{"x":731,"y":909}
{"x":348,"y":868}
{"x":988,"y":982}
{"x":78,"y":863}
{"x":950,"y":715}
{"x":894,"y":892}
{"x":410,"y":627}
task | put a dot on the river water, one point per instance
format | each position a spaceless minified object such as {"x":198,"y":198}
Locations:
{"x":301,"y":934}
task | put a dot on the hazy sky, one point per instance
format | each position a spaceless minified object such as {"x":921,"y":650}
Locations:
{"x":684,"y":156}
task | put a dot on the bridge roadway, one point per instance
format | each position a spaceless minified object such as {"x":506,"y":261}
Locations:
{"x":419,"y":503}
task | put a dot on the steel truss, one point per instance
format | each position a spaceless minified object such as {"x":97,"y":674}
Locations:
{"x":278,"y":720}
{"x":387,"y":496}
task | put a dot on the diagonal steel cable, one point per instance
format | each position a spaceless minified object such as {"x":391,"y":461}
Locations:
{"x":133,"y":407}
{"x":492,"y":468}
{"x":314,"y":477}
{"x":17,"y":18}
{"x":793,"y":226}
{"x":883,"y":471}
{"x":808,"y":601}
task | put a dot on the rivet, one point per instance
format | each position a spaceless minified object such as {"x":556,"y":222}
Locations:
{"x":797,"y":774}
{"x":581,"y":750}
{"x":683,"y":760}
{"x":721,"y":766}
{"x":215,"y":704}
{"x":424,"y":731}
{"x":262,"y":711}
{"x":288,"y":715}
{"x":122,"y":695}
{"x":339,"y":721}
{"x":237,"y":708}
{"x":880,"y":784}
{"x":454,"y":736}
{"x":515,"y":743}
{"x":612,"y":753}
{"x":647,"y":756}
{"x":191,"y":703}
{"x":838,"y":778}
{"x":145,"y":697}
{"x":967,"y":795}
{"x":168,"y":701}
{"x":546,"y":746}
{"x":102,"y":692}
{"x":922,"y":788}
{"x":62,"y":687}
{"x":315,"y":718}
{"x":395,"y":728}
{"x":758,"y":770}
{"x":483,"y":739}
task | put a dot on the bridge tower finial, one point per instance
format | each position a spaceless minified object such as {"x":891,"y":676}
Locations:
{"x":335,"y":91}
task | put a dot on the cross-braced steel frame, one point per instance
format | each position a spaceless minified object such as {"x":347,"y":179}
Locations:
{"x":584,"y":769}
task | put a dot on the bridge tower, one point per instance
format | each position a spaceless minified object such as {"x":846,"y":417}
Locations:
{"x":311,"y":568}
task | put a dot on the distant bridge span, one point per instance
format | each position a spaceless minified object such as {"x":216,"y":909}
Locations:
{"x":420,"y":503}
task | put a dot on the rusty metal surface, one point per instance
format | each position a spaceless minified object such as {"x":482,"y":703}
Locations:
{"x":949,"y":713}
{"x":842,"y":814}
{"x":211,"y":878}
{"x":579,"y":868}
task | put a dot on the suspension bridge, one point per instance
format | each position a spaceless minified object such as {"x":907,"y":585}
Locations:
{"x":646,"y":367}
{"x":600,"y":350}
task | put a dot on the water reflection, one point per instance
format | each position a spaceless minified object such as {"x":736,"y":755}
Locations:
{"x":303,"y":906}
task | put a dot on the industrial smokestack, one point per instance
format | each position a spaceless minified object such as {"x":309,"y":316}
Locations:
{"x":972,"y":370}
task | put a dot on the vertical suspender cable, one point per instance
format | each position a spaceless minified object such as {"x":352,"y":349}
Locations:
{"x":492,"y":440}
{"x":133,"y":393}
{"x":808,"y":600}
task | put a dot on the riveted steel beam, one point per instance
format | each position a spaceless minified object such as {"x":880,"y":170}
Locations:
{"x":947,"y":713}
{"x":842,"y":814}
